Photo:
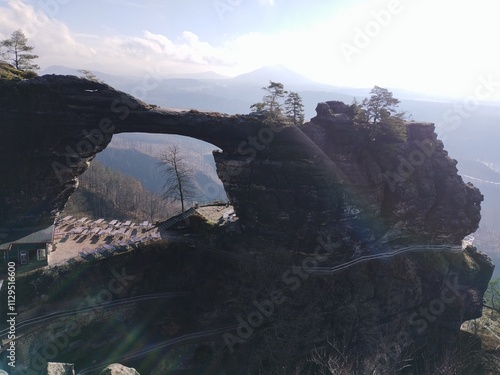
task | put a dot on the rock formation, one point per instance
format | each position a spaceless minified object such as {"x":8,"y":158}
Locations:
{"x":289,"y":186}
{"x":117,"y":369}
{"x":281,"y":180}
{"x":329,"y":176}
{"x":54,"y":368}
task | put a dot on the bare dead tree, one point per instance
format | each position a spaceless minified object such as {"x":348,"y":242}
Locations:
{"x":179,"y":176}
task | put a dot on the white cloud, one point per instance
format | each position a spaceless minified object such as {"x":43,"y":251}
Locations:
{"x":425,"y":46}
{"x":51,"y":38}
{"x":57,"y":45}
{"x":186,"y":53}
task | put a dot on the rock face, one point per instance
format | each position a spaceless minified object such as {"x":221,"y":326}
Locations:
{"x":327,"y":175}
{"x":326,"y":181}
{"x":60,"y":369}
{"x":63,"y":122}
{"x":282,"y":181}
{"x":117,"y":369}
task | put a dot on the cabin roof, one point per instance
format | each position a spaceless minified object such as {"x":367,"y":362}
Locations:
{"x":25,"y":236}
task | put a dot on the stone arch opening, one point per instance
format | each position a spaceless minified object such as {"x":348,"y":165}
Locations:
{"x":147,"y":149}
{"x":134,"y":158}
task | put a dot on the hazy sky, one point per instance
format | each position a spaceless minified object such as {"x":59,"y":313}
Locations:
{"x":433,"y":46}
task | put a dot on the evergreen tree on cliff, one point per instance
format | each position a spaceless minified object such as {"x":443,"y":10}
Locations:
{"x":379,"y":113}
{"x":294,"y":108}
{"x":15,"y":50}
{"x":380,"y":105}
{"x":274,"y":107}
{"x":271,"y":103}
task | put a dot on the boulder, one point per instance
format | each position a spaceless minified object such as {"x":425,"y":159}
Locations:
{"x":117,"y":369}
{"x":54,"y":368}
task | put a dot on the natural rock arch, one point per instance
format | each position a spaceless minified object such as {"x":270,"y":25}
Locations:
{"x":281,"y":180}
{"x":286,"y":183}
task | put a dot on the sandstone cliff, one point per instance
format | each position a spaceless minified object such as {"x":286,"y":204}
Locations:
{"x":281,"y":180}
{"x":324,"y":194}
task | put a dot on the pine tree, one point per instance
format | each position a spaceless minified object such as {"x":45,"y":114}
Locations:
{"x":380,"y":105}
{"x":271,"y":103}
{"x":294,"y":108}
{"x":15,"y":51}
{"x":380,"y":114}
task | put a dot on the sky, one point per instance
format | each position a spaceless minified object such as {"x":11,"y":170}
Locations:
{"x":438,"y":47}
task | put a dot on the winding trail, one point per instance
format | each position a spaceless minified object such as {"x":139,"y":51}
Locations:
{"x":80,"y":310}
{"x":481,"y":180}
{"x":366,"y":258}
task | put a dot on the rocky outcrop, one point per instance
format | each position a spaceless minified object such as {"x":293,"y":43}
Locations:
{"x":327,"y":190}
{"x":54,"y":125}
{"x":330,"y":176}
{"x":326,"y":175}
{"x":117,"y":369}
{"x":8,"y":71}
{"x":60,"y":369}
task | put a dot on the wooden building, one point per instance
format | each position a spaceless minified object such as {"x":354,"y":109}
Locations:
{"x":26,"y":245}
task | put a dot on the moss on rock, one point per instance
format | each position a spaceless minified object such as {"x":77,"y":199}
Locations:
{"x":7,"y":71}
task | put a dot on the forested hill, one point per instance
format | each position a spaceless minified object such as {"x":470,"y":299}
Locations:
{"x":110,"y":194}
{"x":145,"y":168}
